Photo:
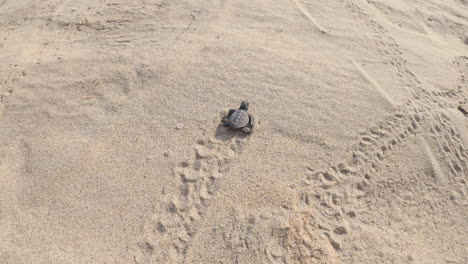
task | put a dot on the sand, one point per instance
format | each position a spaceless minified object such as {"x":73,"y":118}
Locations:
{"x":111,"y":149}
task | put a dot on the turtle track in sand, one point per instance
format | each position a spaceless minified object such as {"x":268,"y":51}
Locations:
{"x":175,"y":222}
{"x":335,"y":192}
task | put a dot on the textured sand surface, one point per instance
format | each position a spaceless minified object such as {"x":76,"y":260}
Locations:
{"x":111,"y":149}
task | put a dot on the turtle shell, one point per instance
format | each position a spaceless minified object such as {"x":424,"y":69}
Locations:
{"x":238,"y":119}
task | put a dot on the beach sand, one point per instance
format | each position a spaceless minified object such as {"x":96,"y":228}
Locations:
{"x":111,"y":149}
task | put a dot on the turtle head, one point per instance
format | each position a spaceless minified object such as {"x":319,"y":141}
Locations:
{"x":244,"y":105}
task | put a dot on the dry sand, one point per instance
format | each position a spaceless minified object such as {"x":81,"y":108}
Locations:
{"x":110,"y":149}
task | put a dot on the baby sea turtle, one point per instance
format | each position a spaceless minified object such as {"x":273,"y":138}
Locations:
{"x":239,"y":119}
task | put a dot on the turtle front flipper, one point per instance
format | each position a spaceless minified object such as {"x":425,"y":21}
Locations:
{"x":251,"y":122}
{"x":250,"y":126}
{"x":230,"y":112}
{"x":225,"y":120}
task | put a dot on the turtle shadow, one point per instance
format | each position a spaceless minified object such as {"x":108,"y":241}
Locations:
{"x":224,"y":133}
